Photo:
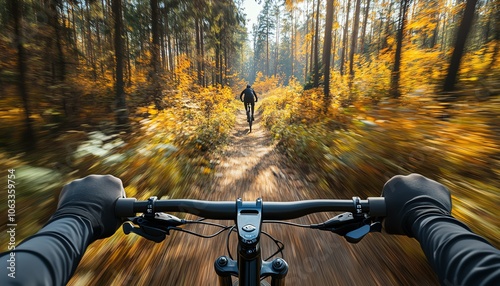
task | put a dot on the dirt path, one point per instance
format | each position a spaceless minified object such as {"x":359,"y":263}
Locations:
{"x":250,"y":167}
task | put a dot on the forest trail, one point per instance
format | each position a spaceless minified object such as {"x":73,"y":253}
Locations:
{"x":251,"y":167}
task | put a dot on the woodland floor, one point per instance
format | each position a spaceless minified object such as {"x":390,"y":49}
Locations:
{"x":250,"y":166}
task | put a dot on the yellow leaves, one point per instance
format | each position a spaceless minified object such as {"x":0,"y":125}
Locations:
{"x":183,"y":73}
{"x":131,"y":191}
{"x":206,"y":170}
{"x":263,"y":85}
{"x":391,"y":40}
{"x":479,"y":62}
{"x":420,"y":67}
{"x":390,"y":139}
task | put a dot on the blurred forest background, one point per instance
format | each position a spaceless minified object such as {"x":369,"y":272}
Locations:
{"x":353,"y":92}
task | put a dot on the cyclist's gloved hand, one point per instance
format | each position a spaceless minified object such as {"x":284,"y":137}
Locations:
{"x":94,"y":198}
{"x":408,"y":197}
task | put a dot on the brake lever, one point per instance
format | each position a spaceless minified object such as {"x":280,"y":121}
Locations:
{"x":352,"y":227}
{"x":356,"y":235}
{"x":341,"y":224}
{"x":153,"y":227}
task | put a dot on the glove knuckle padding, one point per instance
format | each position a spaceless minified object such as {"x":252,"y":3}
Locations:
{"x":406,"y":193}
{"x":93,"y":197}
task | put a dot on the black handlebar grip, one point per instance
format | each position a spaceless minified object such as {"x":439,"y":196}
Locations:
{"x":377,"y":206}
{"x":124,"y":207}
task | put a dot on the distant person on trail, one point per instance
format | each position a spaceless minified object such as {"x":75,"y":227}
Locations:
{"x":249,"y":94}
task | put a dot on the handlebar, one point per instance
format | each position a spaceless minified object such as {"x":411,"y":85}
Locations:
{"x":359,"y":218}
{"x":226,"y":210}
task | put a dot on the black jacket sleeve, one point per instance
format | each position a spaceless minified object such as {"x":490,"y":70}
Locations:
{"x":49,"y":257}
{"x":241,"y":95}
{"x":457,"y":255}
{"x":255,"y":94}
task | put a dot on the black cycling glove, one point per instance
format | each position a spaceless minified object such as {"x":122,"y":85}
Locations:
{"x":94,"y":198}
{"x":412,"y":196}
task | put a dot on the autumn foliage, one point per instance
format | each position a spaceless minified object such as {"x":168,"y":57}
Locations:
{"x":182,"y":75}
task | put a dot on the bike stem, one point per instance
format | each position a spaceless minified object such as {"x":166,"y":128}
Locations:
{"x":250,"y":267}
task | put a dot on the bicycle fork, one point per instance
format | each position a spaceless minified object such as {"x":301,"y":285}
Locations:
{"x":250,"y":267}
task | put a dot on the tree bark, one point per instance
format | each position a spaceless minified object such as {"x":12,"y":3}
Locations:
{"x":28,"y":139}
{"x":461,"y":38}
{"x":155,"y":55}
{"x":277,"y":43}
{"x":327,"y":50}
{"x":396,"y":74}
{"x":121,"y":112}
{"x":363,"y":30}
{"x":198,"y":49}
{"x":316,"y":48}
{"x":354,"y":40}
{"x":344,"y":40}
{"x":306,"y":70}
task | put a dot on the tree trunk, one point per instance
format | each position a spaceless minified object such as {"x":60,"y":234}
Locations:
{"x":217,"y":64}
{"x":155,"y":55}
{"x":292,"y":44}
{"x":277,"y":43}
{"x":202,"y":47}
{"x":354,"y":41}
{"x":316,"y":48}
{"x":129,"y":64}
{"x":169,"y":44}
{"x":363,"y":30}
{"x":496,"y":38}
{"x":121,"y":112}
{"x":162,"y":41}
{"x":306,"y":70}
{"x":90,"y":43}
{"x":155,"y":49}
{"x":28,"y":139}
{"x":395,"y":75}
{"x":385,"y":30}
{"x":435,"y":33}
{"x":311,"y":56}
{"x":198,"y":48}
{"x":73,"y":32}
{"x":344,"y":40}
{"x":327,"y":50}
{"x":461,"y":38}
{"x":267,"y":48}
{"x":54,"y":23}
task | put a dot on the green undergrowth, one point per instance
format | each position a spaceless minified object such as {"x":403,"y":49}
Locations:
{"x":354,"y":150}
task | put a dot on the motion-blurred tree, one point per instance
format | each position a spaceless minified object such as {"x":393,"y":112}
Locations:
{"x":327,"y":50}
{"x":458,"y":50}
{"x":155,"y":55}
{"x":16,"y":12}
{"x":121,"y":111}
{"x":354,"y":41}
{"x":396,"y":72}
{"x":345,"y":37}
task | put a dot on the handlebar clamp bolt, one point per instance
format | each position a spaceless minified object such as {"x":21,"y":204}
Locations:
{"x":278,"y":264}
{"x":222,"y":261}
